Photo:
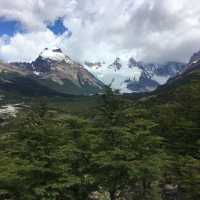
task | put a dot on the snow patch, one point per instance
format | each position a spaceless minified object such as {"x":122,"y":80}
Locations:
{"x":36,"y":73}
{"x":53,"y":54}
{"x":8,"y":110}
{"x":160,"y":79}
{"x":68,"y":61}
{"x":196,"y":61}
{"x":118,"y":79}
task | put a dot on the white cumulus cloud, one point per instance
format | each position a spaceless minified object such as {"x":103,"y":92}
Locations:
{"x":149,"y":30}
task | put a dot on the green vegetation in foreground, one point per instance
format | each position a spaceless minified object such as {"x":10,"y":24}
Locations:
{"x":122,"y":150}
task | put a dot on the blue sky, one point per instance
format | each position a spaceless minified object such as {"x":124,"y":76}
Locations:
{"x":10,"y":28}
{"x":57,"y":27}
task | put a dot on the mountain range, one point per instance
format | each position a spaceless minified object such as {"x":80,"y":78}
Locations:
{"x":51,"y":72}
{"x":129,"y":76}
{"x":54,"y":73}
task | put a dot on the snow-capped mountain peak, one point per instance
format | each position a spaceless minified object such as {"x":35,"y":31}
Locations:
{"x":55,"y":54}
{"x":118,"y":74}
{"x":127,"y":75}
{"x":116,"y":65}
{"x":64,"y":74}
{"x":132,"y":62}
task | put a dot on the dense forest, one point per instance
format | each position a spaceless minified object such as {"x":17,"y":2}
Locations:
{"x":110,"y":148}
{"x":99,"y":99}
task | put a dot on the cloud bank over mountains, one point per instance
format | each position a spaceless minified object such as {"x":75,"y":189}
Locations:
{"x":149,"y":30}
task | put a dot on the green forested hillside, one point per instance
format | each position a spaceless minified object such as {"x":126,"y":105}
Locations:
{"x":12,"y":83}
{"x":106,"y":147}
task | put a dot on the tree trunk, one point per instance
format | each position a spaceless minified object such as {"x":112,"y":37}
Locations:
{"x":144,"y":185}
{"x":112,"y":195}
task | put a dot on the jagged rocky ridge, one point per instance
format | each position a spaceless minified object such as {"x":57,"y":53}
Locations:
{"x":56,"y":71}
{"x":131,"y":76}
{"x":192,"y":66}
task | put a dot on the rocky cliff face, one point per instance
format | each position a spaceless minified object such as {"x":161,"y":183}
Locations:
{"x":57,"y":71}
{"x":131,"y":76}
